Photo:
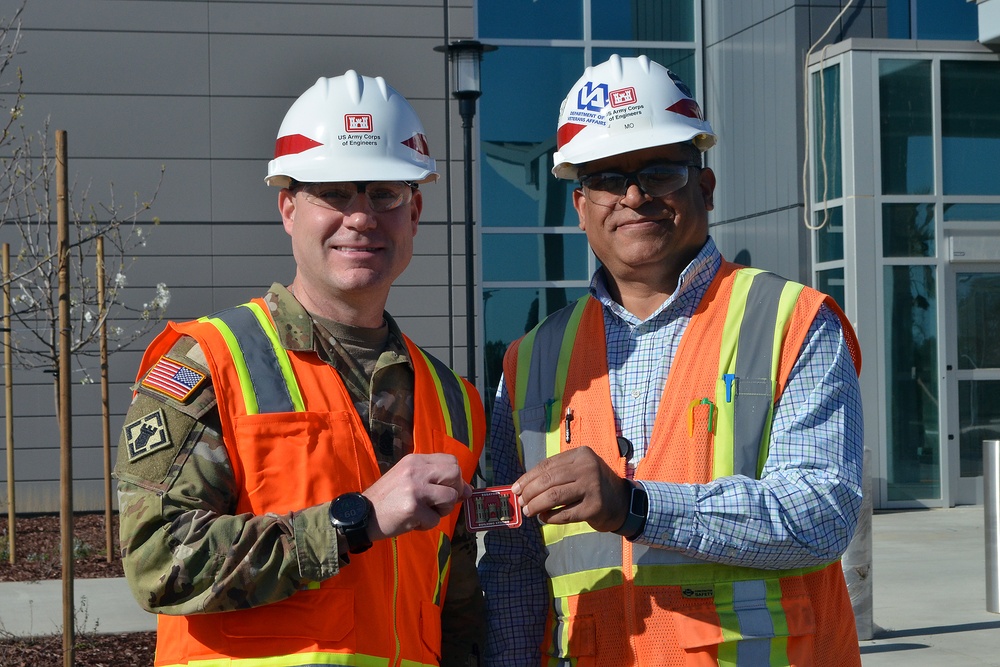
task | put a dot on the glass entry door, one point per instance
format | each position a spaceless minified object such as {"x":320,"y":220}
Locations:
{"x":974,"y":375}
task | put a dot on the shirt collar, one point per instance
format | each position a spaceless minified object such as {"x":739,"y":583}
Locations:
{"x":693,"y":281}
{"x":295,"y":327}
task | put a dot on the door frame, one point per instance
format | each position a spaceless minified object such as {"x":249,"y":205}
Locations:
{"x":961,"y":490}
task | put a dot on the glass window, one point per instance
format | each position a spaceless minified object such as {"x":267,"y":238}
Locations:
{"x":905,"y":119}
{"x":643,"y":20}
{"x":898,"y":12}
{"x":978,"y":308}
{"x":531,"y":19}
{"x":827,"y":167}
{"x":967,"y":212}
{"x":829,"y":237}
{"x":908,"y":230}
{"x":508,"y":314}
{"x":518,"y":122}
{"x":678,"y":61}
{"x":534,"y":257}
{"x":933,"y":19}
{"x":979,"y":418}
{"x":970,"y":127}
{"x":831,"y":281}
{"x":978,"y":299}
{"x":913,"y":437}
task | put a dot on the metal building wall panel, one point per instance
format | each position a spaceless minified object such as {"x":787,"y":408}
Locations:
{"x":102,"y":15}
{"x":200,"y":87}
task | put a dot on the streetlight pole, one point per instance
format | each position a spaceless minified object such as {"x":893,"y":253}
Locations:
{"x":465,"y":56}
{"x":467,"y":110}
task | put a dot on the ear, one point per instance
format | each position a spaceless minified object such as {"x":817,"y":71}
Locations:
{"x":286,"y":206}
{"x":416,"y":206}
{"x":706,"y":183}
{"x":580,"y":204}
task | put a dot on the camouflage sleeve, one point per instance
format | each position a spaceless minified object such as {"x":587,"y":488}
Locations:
{"x":463,"y":618}
{"x":184,"y":549}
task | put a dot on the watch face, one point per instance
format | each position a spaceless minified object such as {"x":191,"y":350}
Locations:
{"x":350,"y":508}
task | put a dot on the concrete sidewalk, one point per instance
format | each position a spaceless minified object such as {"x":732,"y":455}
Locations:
{"x":929,"y":601}
{"x":102,"y":605}
{"x":929,"y":591}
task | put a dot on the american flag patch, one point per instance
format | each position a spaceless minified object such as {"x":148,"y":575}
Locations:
{"x":173,"y":379}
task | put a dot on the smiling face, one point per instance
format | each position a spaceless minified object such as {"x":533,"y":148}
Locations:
{"x":644,"y":242}
{"x":346,"y":261}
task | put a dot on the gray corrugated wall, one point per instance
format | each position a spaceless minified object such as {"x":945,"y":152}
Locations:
{"x":200,"y":88}
{"x":754,"y":54}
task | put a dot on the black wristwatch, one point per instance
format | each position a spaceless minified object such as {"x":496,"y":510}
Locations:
{"x":638,"y":509}
{"x":349,"y":514}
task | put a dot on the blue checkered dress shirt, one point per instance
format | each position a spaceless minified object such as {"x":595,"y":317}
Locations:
{"x":801,"y":512}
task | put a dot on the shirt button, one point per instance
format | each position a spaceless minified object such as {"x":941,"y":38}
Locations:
{"x":636,"y":393}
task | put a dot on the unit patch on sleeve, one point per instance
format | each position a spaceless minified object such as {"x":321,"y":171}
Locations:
{"x":147,"y":435}
{"x":173,"y":379}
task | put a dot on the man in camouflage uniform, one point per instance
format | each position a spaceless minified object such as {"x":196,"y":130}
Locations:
{"x":195,"y":540}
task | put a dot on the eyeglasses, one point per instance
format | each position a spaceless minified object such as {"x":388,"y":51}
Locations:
{"x":607,"y":188}
{"x":382,"y":195}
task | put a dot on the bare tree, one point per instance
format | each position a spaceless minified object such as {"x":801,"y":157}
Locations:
{"x":27,"y":215}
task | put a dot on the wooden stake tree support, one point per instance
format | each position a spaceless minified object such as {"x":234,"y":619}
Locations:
{"x":109,"y":539}
{"x":8,"y":374}
{"x":65,"y":405}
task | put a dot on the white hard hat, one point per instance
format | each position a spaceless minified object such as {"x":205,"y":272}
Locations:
{"x":350,"y":128}
{"x":624,"y":105}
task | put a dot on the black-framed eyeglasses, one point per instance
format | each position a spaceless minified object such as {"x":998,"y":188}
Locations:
{"x":606,"y":188}
{"x":382,"y":195}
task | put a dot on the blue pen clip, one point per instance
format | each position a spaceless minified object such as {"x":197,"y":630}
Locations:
{"x":729,"y":378}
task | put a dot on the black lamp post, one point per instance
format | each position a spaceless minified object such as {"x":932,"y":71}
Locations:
{"x":465,"y":56}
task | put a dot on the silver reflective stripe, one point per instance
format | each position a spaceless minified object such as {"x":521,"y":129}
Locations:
{"x":559,"y":608}
{"x":753,"y":653}
{"x":750,"y":605}
{"x":540,"y":389}
{"x":454,"y":397}
{"x":582,"y":552}
{"x":262,"y":362}
{"x":756,"y":625}
{"x":643,"y":555}
{"x":754,"y":361}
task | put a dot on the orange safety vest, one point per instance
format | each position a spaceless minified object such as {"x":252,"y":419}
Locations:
{"x":616,"y":603}
{"x":295,"y":440}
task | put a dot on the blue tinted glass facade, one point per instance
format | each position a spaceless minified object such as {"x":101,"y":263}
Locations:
{"x":534,"y":257}
{"x":932,"y":19}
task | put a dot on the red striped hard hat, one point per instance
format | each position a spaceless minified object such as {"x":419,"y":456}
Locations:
{"x":351,"y":128}
{"x":625,"y":105}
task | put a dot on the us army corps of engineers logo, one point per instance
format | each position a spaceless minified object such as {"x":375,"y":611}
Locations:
{"x":147,"y":435}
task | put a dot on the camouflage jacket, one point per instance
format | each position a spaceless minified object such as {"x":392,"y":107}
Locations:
{"x":184,"y":549}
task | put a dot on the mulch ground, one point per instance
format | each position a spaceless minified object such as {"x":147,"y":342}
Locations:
{"x":38,"y":557}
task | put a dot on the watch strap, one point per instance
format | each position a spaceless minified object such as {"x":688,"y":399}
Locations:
{"x":638,"y":510}
{"x":355,"y":531}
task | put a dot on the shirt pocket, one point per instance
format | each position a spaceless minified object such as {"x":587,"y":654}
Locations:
{"x":430,"y":628}
{"x":292,"y":460}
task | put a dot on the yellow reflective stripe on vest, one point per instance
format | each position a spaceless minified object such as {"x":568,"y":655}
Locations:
{"x":266,"y":378}
{"x":444,"y":563}
{"x":555,"y":533}
{"x":294,"y":660}
{"x":706,"y":573}
{"x":587,"y":580}
{"x":760,"y":306}
{"x":453,"y":397}
{"x":542,"y":373}
{"x":752,"y":610}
